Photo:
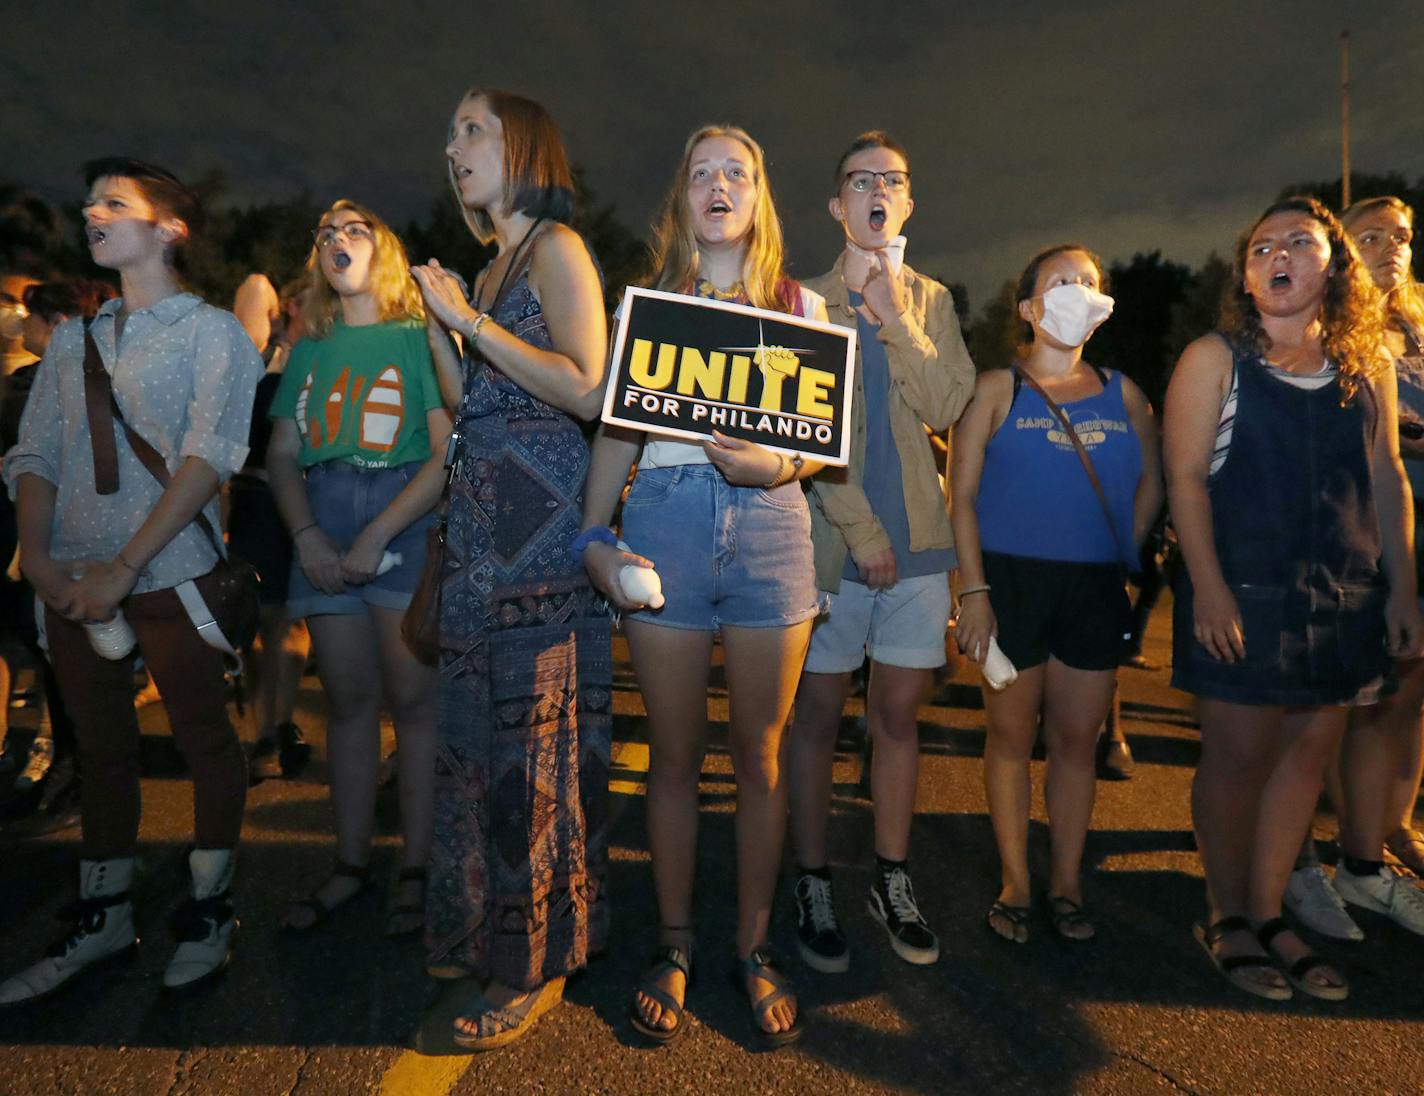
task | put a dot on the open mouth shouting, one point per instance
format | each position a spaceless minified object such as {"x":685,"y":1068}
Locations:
{"x":877,"y":216}
{"x":1280,"y":280}
{"x":717,"y":209}
{"x":95,"y":235}
{"x":340,"y":259}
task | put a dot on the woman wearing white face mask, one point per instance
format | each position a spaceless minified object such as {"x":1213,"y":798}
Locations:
{"x":1044,"y":528}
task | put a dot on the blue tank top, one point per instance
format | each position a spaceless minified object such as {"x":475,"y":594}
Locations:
{"x":1410,"y":371}
{"x":1035,"y":498}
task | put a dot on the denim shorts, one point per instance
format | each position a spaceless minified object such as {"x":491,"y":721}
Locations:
{"x":901,"y":625}
{"x":738,"y":556}
{"x":344,"y":499}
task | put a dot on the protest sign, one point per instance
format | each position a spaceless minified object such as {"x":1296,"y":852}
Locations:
{"x":687,"y":366}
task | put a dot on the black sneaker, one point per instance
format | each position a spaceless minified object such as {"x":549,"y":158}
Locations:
{"x":293,"y":750}
{"x":818,"y":935}
{"x":892,"y":903}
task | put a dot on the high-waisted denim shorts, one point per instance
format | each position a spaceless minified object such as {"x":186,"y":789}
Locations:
{"x":738,"y":556}
{"x":344,"y":500}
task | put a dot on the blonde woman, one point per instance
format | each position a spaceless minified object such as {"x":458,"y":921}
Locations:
{"x":743,"y":518}
{"x":358,"y":436}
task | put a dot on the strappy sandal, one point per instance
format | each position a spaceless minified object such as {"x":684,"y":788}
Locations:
{"x":1407,"y":846}
{"x":320,"y":911}
{"x":1233,"y":967}
{"x":396,"y":925}
{"x":497,"y":1027}
{"x":761,"y":963}
{"x":1067,"y":914}
{"x":664,"y":959}
{"x":1016,"y":916}
{"x":1296,"y":972}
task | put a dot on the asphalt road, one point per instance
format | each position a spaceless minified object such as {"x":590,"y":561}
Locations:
{"x":348,"y":1011}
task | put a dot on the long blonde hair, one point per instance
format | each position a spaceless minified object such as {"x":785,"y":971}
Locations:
{"x":397,"y":296}
{"x":1404,"y":304}
{"x":673,"y":255}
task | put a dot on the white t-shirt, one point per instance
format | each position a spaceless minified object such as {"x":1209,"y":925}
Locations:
{"x":662,"y":451}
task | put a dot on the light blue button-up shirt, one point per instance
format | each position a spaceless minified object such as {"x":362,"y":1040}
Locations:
{"x":184,"y":375}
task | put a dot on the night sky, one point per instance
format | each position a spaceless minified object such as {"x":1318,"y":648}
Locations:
{"x":1129,"y":126}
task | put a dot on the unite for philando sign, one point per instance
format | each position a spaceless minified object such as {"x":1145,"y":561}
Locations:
{"x":687,"y":366}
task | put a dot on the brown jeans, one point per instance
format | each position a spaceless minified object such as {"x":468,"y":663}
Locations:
{"x":99,"y":695}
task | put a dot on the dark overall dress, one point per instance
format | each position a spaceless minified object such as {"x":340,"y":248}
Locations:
{"x":1293,"y":515}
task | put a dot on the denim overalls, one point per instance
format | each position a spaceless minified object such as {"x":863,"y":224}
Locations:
{"x":1299,"y":543}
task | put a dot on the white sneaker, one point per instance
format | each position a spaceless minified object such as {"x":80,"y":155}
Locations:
{"x":1384,"y":892}
{"x":1311,"y":897}
{"x":104,"y":931}
{"x":205,"y":923}
{"x":37,"y":765}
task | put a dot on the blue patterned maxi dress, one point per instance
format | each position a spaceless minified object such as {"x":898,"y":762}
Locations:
{"x":520,"y":853}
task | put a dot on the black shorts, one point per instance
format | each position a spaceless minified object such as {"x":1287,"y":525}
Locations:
{"x":1077,"y":612}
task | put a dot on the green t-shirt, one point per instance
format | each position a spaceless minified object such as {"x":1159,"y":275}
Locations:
{"x":361,"y":395}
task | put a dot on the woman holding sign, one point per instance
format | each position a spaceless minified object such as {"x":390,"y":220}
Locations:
{"x":520,"y":851}
{"x":1046,"y":517}
{"x":727,"y":526}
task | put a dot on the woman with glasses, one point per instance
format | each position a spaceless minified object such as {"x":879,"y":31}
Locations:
{"x":355,"y":465}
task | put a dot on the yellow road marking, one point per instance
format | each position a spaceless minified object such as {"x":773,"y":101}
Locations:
{"x":630,"y":758}
{"x":416,"y":1074}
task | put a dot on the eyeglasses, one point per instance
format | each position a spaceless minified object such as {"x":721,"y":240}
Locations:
{"x":861,"y":181}
{"x":327,"y":235}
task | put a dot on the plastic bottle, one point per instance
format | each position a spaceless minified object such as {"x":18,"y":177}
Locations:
{"x":999,"y":672}
{"x":641,"y":584}
{"x":389,"y":560}
{"x":113,"y":638}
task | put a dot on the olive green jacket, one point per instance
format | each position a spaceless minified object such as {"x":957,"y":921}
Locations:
{"x":931,"y":380}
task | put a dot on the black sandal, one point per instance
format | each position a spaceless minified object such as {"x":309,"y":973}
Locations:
{"x":1297,"y":971}
{"x":663,"y":959}
{"x":1066,"y":914}
{"x":761,"y":963}
{"x":320,"y":910}
{"x":408,"y":909}
{"x":1016,"y":916}
{"x":1231,"y":966}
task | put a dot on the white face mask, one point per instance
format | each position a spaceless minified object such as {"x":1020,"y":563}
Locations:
{"x":1073,"y":312}
{"x":894,"y":252}
{"x":12,"y":320}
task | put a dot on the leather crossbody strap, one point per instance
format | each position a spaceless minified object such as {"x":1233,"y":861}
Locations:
{"x":1086,"y":460}
{"x":103,"y":412}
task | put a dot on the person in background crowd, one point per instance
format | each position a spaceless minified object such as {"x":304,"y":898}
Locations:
{"x":256,"y":533}
{"x":48,"y":766}
{"x":883,"y":550}
{"x":1043,"y":546}
{"x":737,"y":561}
{"x":520,"y":862}
{"x":1291,"y":508}
{"x":100,"y":535}
{"x":354,"y":463}
{"x":1380,"y":756}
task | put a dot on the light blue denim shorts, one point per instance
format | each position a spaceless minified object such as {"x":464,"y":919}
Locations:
{"x":738,"y":556}
{"x":344,"y":500}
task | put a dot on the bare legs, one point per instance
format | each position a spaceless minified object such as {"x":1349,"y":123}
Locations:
{"x":1254,"y":793}
{"x":278,"y":669}
{"x":1074,"y":704}
{"x":1380,"y":766}
{"x":892,"y":710}
{"x":361,"y":659}
{"x":762,"y":666}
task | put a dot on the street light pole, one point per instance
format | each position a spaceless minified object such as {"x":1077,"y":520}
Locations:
{"x":1344,"y":119}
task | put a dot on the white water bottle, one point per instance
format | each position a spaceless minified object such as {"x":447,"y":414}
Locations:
{"x":113,"y":638}
{"x":641,"y":584}
{"x":999,"y":672}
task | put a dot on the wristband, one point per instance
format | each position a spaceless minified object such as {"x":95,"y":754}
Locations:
{"x":776,"y":480}
{"x":119,"y":559}
{"x":298,"y":532}
{"x":984,"y":589}
{"x":478,"y":323}
{"x":598,"y":534}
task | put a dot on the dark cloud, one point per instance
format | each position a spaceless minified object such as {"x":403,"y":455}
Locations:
{"x":1130,"y":126}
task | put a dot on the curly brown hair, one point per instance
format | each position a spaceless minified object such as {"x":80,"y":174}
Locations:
{"x":1351,"y":313}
